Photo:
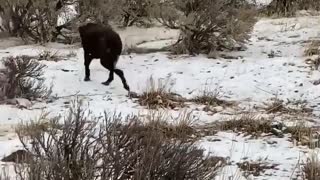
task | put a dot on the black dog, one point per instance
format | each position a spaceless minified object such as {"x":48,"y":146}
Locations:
{"x":100,"y":42}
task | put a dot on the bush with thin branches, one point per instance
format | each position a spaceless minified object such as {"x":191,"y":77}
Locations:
{"x":82,"y":148}
{"x":24,"y":78}
{"x":290,"y":7}
{"x":31,"y":20}
{"x":206,"y":25}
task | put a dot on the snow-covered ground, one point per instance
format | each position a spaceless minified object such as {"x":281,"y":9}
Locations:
{"x":251,"y":79}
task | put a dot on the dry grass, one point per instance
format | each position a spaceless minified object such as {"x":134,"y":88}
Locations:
{"x":304,"y":134}
{"x":182,"y":127}
{"x":312,"y":167}
{"x":257,"y":126}
{"x":290,"y":107}
{"x":254,"y":168}
{"x":4,"y":174}
{"x":313,"y":48}
{"x":313,"y":52}
{"x":48,"y":55}
{"x":210,"y":98}
{"x":248,"y":124}
{"x":71,"y":54}
{"x":159,"y":96}
{"x":313,"y":62}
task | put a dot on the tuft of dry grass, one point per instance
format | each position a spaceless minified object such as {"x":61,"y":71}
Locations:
{"x":160,"y":96}
{"x":255,"y":168}
{"x":71,"y":54}
{"x":313,"y":48}
{"x":313,"y":52}
{"x":304,"y":134}
{"x":4,"y":173}
{"x":246,"y":123}
{"x":313,"y":62}
{"x":181,"y":127}
{"x":312,"y":167}
{"x":210,"y":98}
{"x":290,"y":107}
{"x":48,"y":55}
{"x":276,"y":105}
{"x":249,"y":124}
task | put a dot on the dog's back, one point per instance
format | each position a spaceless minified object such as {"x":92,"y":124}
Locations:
{"x":92,"y":35}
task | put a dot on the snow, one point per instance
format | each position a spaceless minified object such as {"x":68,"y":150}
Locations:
{"x":251,"y":79}
{"x":278,"y":151}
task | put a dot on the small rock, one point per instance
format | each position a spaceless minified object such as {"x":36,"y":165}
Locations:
{"x":11,"y":101}
{"x":277,"y":133}
{"x":212,"y":55}
{"x":294,"y":36}
{"x":218,"y":108}
{"x":214,"y":140}
{"x":225,"y":56}
{"x":317,"y":82}
{"x":23,"y":103}
{"x":133,"y":95}
{"x":271,"y":142}
{"x":65,"y":70}
{"x":269,"y":39}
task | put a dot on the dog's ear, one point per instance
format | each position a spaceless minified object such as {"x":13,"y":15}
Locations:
{"x":80,"y":29}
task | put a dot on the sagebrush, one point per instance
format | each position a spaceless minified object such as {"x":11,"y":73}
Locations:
{"x":79,"y":147}
{"x":206,"y":25}
{"x":290,"y":7}
{"x":24,"y":78}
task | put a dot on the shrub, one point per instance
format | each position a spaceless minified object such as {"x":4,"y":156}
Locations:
{"x":124,"y":12}
{"x":31,"y":20}
{"x":206,"y":25}
{"x":289,"y":7}
{"x":82,"y":148}
{"x":24,"y":78}
{"x":134,"y":12}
